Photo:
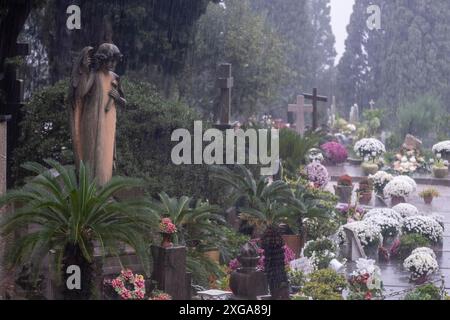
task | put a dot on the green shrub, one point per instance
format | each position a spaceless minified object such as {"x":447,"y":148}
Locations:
{"x":320,"y":291}
{"x":331,"y":278}
{"x":426,"y":292}
{"x":409,"y":242}
{"x":297,"y":278}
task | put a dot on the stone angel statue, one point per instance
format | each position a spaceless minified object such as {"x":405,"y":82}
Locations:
{"x":95,"y":92}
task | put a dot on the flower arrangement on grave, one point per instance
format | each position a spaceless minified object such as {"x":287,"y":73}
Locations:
{"x":320,"y":252}
{"x":409,"y":180}
{"x":369,"y":234}
{"x":421,"y":264}
{"x":407,"y":243}
{"x":335,"y":152}
{"x":380,"y":180}
{"x":344,"y":188}
{"x":406,"y":210}
{"x":387,"y":212}
{"x":350,"y":213}
{"x":442,"y":148}
{"x":398,"y":190}
{"x":317,"y":174}
{"x":408,"y":162}
{"x":315,"y":155}
{"x":167,"y":228}
{"x":160,"y":295}
{"x":425,"y":226}
{"x":369,"y":149}
{"x":439,"y":218}
{"x":364,"y":191}
{"x":439,"y":166}
{"x":390,"y":228}
{"x":128,"y":286}
{"x":429,"y":194}
{"x":365,"y":282}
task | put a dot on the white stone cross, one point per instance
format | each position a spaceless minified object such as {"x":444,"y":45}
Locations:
{"x":299,"y":110}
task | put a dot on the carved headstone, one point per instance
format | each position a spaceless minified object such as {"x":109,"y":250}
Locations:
{"x":412,"y":143}
{"x":354,"y":249}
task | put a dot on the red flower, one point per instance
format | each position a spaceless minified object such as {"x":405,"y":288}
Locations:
{"x":368,"y":296}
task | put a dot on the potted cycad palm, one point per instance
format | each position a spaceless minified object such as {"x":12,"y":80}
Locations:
{"x":70,"y":215}
{"x":267,"y":203}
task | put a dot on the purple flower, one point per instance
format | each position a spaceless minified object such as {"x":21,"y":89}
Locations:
{"x":317,"y":174}
{"x":335,"y":152}
{"x":234,"y":264}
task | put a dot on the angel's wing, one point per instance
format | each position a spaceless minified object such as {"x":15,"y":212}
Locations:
{"x":81,"y":65}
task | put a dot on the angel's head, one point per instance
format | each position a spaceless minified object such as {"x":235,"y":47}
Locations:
{"x":107,"y":56}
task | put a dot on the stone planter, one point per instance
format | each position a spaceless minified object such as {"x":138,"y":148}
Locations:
{"x":369,"y":168}
{"x":365,"y":198}
{"x":344,"y":193}
{"x":354,"y":162}
{"x":440,"y":173}
{"x":397,"y":200}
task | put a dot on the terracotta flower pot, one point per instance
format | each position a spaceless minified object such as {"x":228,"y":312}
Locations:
{"x":344,"y":193}
{"x":369,"y":168}
{"x":428,"y":199}
{"x":440,"y":173}
{"x":397,"y":200}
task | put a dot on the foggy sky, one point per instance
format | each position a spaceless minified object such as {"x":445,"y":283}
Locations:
{"x":340,"y":17}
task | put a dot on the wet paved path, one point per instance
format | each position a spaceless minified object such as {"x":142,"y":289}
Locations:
{"x":394,"y":277}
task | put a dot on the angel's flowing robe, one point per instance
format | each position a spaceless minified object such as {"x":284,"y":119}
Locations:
{"x":94,"y":125}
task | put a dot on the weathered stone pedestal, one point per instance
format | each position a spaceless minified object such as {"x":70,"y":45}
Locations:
{"x":169,"y":271}
{"x":247,"y":283}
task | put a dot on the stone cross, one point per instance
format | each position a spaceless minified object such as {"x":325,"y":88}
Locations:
{"x":315,"y":98}
{"x":299,"y":110}
{"x":372,"y":104}
{"x":224,"y":83}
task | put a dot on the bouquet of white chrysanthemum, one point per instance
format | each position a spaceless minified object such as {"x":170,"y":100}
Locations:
{"x":398,"y":188}
{"x":380,"y":180}
{"x":369,"y":148}
{"x":421,"y":265}
{"x":406,"y":210}
{"x":390,"y":213}
{"x":389,"y":227}
{"x":425,"y":226}
{"x":442,"y":147}
{"x":369,"y":234}
{"x":409,"y":180}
